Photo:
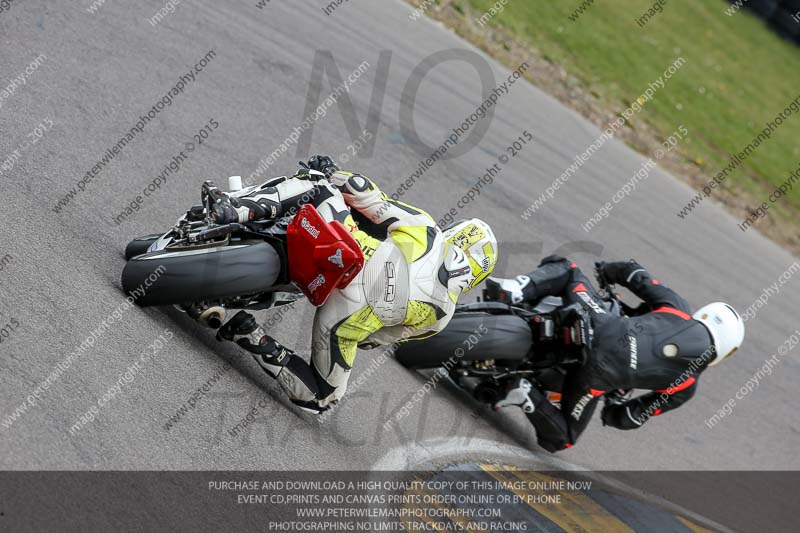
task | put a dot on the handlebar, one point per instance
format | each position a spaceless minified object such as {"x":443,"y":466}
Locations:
{"x":603,"y":283}
{"x":210,"y":190}
{"x":214,"y":233}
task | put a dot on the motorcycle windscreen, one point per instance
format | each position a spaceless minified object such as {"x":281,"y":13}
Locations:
{"x":470,"y":337}
{"x":323,"y":256}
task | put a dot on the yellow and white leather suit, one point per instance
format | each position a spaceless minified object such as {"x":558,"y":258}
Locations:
{"x":405,"y":290}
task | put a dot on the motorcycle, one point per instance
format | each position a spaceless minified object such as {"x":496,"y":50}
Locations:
{"x":204,"y":268}
{"x":489,"y":344}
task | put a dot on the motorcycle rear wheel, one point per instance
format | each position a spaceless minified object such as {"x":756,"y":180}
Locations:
{"x":139,"y":246}
{"x":175,"y":277}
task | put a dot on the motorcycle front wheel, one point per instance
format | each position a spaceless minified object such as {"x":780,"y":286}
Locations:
{"x":470,"y":336}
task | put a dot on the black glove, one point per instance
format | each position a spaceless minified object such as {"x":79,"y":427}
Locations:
{"x":614,"y":415}
{"x":616,"y":272}
{"x":223,"y":207}
{"x":322,"y":163}
{"x":600,"y":275}
{"x":223,"y":212}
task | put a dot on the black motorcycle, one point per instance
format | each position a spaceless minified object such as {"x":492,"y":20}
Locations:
{"x":490,"y":343}
{"x":205,"y":268}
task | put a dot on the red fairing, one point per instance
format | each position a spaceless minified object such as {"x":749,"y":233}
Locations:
{"x":323,"y":256}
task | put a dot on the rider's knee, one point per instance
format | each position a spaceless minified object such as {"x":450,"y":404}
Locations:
{"x":553,"y":446}
{"x":551,"y":428}
{"x":333,"y":386}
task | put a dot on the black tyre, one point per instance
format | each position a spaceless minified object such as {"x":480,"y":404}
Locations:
{"x":509,"y":338}
{"x":170,"y":278}
{"x":139,"y":246}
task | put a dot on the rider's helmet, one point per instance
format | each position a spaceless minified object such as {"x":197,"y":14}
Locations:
{"x":726,"y":328}
{"x":470,"y":254}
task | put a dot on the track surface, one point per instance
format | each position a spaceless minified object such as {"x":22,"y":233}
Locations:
{"x":103,"y":70}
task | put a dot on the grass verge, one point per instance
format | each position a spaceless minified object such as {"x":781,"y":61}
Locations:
{"x":737,"y":76}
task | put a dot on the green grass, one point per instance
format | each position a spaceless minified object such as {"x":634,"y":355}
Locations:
{"x":738,"y":75}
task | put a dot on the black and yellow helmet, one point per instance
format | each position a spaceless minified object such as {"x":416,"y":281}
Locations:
{"x":471,"y":254}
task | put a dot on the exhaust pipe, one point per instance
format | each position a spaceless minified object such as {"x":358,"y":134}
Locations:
{"x":213,"y":317}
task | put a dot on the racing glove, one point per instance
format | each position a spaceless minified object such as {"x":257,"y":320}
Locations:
{"x":227,"y":210}
{"x":223,"y":212}
{"x":323,"y":163}
{"x":617,"y":272}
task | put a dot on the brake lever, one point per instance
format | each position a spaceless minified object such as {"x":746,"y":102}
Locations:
{"x":313,"y":175}
{"x":210,"y":190}
{"x":210,"y":197}
{"x":602,"y":282}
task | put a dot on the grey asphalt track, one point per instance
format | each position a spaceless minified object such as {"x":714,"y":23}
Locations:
{"x":103,"y":70}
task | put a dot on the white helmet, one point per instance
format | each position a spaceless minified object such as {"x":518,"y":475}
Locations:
{"x":470,"y":255}
{"x":726,"y":328}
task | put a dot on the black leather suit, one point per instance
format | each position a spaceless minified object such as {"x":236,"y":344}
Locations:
{"x":662,"y":350}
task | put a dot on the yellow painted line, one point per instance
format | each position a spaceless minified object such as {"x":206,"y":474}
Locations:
{"x":694,"y":527}
{"x":449,"y":514}
{"x":576,"y":512}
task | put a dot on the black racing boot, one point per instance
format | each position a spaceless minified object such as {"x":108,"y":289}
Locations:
{"x":295,"y":376}
{"x":245,"y":331}
{"x":552,"y":431}
{"x":227,"y":210}
{"x":549,"y":279}
{"x":519,"y":395}
{"x":510,"y":291}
